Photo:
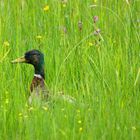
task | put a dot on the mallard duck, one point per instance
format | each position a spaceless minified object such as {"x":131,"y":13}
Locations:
{"x":35,"y":58}
{"x":38,"y":87}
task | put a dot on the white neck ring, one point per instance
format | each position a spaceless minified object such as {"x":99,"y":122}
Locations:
{"x":38,"y":76}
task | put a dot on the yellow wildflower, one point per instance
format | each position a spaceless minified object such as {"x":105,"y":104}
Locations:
{"x":90,"y":44}
{"x":38,"y":37}
{"x":94,"y":1}
{"x":6,"y":44}
{"x":80,"y":129}
{"x":45,"y":108}
{"x":46,"y":8}
{"x":79,"y":121}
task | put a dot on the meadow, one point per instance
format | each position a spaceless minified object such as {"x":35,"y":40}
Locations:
{"x":92,"y":53}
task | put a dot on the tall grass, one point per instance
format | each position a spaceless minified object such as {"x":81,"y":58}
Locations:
{"x":101,"y":71}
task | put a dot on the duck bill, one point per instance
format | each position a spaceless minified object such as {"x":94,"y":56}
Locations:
{"x":19,"y":60}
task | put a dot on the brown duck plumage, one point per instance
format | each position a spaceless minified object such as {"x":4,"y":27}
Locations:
{"x":37,"y":82}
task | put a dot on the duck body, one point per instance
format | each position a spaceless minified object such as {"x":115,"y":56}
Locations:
{"x":37,"y":81}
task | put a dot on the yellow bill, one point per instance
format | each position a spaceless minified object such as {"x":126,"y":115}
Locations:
{"x":19,"y":60}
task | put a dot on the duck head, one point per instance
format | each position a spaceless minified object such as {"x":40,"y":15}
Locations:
{"x":35,"y":58}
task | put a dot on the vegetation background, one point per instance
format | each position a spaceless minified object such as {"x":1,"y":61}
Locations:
{"x":92,"y":52}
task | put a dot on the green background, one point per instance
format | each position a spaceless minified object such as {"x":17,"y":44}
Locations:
{"x":100,"y":71}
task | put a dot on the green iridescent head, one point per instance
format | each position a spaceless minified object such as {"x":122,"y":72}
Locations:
{"x":34,"y":57}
